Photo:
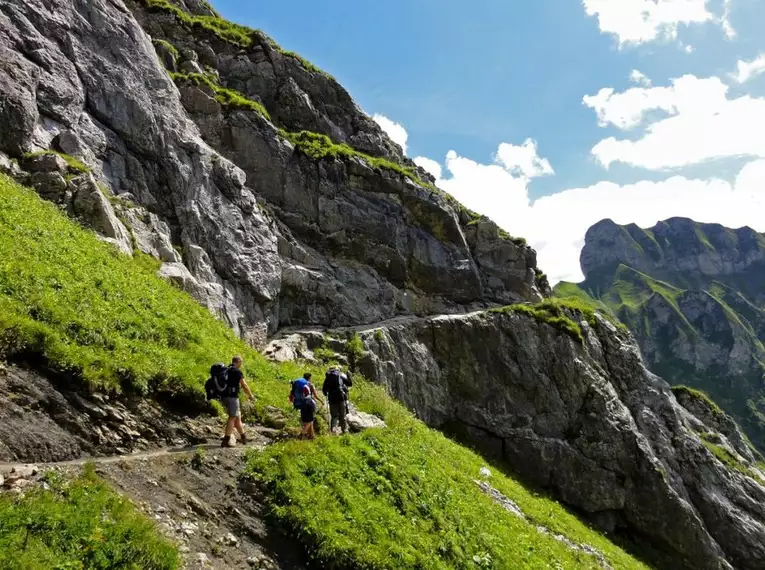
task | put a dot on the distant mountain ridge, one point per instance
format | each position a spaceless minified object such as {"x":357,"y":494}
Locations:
{"x":693,"y":294}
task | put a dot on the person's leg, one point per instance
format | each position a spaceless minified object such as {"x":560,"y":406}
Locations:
{"x":311,"y":434}
{"x":341,"y":417}
{"x":333,"y":411}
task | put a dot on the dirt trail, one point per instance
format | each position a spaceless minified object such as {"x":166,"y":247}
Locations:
{"x":173,"y":450}
{"x":197,"y":498}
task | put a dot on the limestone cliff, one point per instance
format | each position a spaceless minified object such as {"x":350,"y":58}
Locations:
{"x":693,"y":296}
{"x":233,"y":172}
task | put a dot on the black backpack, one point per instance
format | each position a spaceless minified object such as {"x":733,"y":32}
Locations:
{"x":336,"y":391}
{"x":217,"y":384}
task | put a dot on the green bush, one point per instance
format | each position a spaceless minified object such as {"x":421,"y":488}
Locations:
{"x":79,"y":524}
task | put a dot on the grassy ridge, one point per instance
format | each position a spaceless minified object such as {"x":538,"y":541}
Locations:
{"x":77,"y":525}
{"x":111,"y":321}
{"x":405,"y":497}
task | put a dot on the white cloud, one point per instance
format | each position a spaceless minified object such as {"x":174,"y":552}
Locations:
{"x":395,"y":131}
{"x":555,"y":225}
{"x":687,"y":95}
{"x":429,"y":165}
{"x":728,"y":28}
{"x":704,"y":124}
{"x":750,"y":69}
{"x":640,"y":21}
{"x":523,"y":160}
{"x":640,"y":78}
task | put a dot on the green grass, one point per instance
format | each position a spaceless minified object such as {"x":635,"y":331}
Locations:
{"x":556,"y":313}
{"x":307,"y":65}
{"x":700,"y":396}
{"x":227,"y":31}
{"x":318,"y":147}
{"x":75,"y":165}
{"x":404,"y":497}
{"x":726,"y":457}
{"x":76,"y":525}
{"x":169,"y":47}
{"x":226,"y":97}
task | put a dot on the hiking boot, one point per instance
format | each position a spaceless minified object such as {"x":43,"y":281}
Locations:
{"x":226,"y":442}
{"x":244,"y":439}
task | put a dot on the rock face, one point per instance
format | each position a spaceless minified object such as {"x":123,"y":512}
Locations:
{"x":588,"y":423}
{"x":693,"y":296}
{"x":270,"y":235}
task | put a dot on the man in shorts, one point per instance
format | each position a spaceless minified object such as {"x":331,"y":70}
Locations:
{"x":234,"y":382}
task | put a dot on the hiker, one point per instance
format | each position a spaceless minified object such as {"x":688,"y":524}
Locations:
{"x":307,"y":413}
{"x":335,"y":388}
{"x":230,"y":400}
{"x":297,"y":397}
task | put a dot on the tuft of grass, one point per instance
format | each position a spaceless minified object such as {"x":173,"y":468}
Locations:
{"x":75,"y":165}
{"x":169,"y":47}
{"x":556,"y":313}
{"x":225,"y":96}
{"x":226,"y":31}
{"x":318,"y":147}
{"x":307,"y":65}
{"x":405,"y":497}
{"x":79,"y":524}
{"x":699,"y":396}
{"x":726,"y":457}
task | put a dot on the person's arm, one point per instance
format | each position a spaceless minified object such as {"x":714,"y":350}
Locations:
{"x":315,"y":394}
{"x":246,"y":388}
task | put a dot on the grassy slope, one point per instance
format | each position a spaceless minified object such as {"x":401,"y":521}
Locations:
{"x":76,"y":525}
{"x":108,"y":319}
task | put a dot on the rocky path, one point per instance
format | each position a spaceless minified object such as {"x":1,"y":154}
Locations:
{"x":196,"y":497}
{"x":7,"y":468}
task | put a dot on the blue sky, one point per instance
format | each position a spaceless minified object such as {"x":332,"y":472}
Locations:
{"x":466,"y":80}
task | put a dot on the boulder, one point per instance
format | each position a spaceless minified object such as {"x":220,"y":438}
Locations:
{"x":359,"y":421}
{"x":274,"y":418}
{"x":45,"y":162}
{"x":50,"y":185}
{"x":93,"y":207}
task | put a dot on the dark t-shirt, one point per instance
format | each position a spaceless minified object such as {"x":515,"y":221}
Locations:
{"x":235,"y":377}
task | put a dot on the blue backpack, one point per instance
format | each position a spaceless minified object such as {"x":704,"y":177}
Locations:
{"x":296,"y":395}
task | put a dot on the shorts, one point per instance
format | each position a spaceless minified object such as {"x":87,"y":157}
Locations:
{"x":307,"y":414}
{"x":232,"y":406}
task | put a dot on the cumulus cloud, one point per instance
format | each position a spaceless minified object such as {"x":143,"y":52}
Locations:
{"x":750,"y":69}
{"x":523,"y":160}
{"x":704,"y":124}
{"x":395,"y":131}
{"x":687,"y":95}
{"x":555,"y":225}
{"x":640,"y":78}
{"x":641,"y":21}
